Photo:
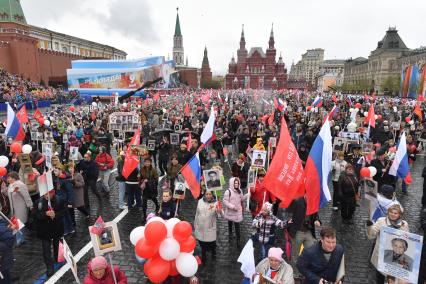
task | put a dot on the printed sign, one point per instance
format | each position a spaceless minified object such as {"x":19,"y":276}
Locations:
{"x":259,"y":159}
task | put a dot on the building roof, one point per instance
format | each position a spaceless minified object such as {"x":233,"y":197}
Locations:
{"x":205,"y":58}
{"x":333,"y":62}
{"x":11,"y":11}
{"x":391,"y":40}
{"x":177,"y":26}
{"x":258,"y":49}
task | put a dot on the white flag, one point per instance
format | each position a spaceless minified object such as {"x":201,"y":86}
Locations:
{"x":246,"y":259}
{"x":208,"y":130}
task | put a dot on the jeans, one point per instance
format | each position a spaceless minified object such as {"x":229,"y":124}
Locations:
{"x":121,"y":193}
{"x":264,"y":247}
{"x":6,"y":277}
{"x":163,"y":166}
{"x":404,"y":186}
{"x":20,"y":238}
{"x":302,"y":237}
{"x":104,"y":176}
{"x":68,"y":224}
{"x":47,"y":251}
{"x":90,"y":183}
{"x":133,"y":193}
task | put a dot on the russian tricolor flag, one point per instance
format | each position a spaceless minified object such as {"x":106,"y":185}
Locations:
{"x":279,"y":104}
{"x":317,"y":170}
{"x":192,"y":174}
{"x":13,"y":127}
{"x":317,"y":102}
{"x":400,"y":167}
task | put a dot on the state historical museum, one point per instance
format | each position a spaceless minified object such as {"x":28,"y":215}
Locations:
{"x":256,"y":69}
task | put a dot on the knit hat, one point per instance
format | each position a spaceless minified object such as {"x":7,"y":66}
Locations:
{"x":98,"y":262}
{"x":276,"y":253}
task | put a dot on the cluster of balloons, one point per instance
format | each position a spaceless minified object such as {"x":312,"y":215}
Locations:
{"x":368,"y":172}
{"x":165,"y":248}
{"x":409,"y":120}
{"x":15,"y":148}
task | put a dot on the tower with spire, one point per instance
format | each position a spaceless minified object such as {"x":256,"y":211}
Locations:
{"x":256,"y":69}
{"x":178,"y":54}
{"x":206,"y":74}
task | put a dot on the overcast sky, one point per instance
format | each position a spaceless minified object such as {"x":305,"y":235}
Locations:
{"x":344,"y":28}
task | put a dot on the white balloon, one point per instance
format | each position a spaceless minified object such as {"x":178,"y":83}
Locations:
{"x":170,"y":224}
{"x":94,"y":104}
{"x":164,"y":110}
{"x":136,"y":234}
{"x":365,"y":113}
{"x":186,"y":264}
{"x":124,"y":104}
{"x":373,"y":171}
{"x":156,"y":219}
{"x":4,"y":161}
{"x":356,"y":110}
{"x":47,"y":123}
{"x":352,"y":127}
{"x":169,"y":249}
{"x":411,"y":122}
{"x":351,"y":110}
{"x":26,"y":149}
{"x":376,"y":116}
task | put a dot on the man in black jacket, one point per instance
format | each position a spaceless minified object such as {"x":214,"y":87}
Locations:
{"x":163,"y":155}
{"x":6,"y":251}
{"x":50,"y":209}
{"x":322,"y":261}
{"x":90,"y":171}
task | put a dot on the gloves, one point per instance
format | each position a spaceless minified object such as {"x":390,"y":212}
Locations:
{"x":369,"y":223}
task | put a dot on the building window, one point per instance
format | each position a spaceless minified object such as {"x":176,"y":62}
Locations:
{"x":74,"y":50}
{"x":57,"y":46}
{"x":65,"y":49}
{"x":41,"y":44}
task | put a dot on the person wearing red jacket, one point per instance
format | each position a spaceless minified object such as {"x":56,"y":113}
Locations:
{"x":259,"y":195}
{"x":99,"y":272}
{"x":105,"y":163}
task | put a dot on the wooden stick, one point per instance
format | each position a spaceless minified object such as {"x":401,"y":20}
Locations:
{"x":112,"y":268}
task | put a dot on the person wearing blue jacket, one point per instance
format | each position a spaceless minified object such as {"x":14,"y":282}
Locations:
{"x":321,"y":262}
{"x":6,"y":251}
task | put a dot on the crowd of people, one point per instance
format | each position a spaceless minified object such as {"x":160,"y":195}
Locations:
{"x":245,"y":121}
{"x":17,"y":90}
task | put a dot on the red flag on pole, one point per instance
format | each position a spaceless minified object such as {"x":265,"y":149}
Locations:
{"x":188,"y":142}
{"x":285,"y":177}
{"x":370,"y":118}
{"x":131,"y":161}
{"x":22,"y":115}
{"x":187,"y":110}
{"x":38,"y":116}
{"x":418,"y":112}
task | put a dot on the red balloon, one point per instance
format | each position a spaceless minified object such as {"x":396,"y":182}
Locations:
{"x":188,"y":245}
{"x":379,"y":117}
{"x":365,"y":172}
{"x":16,"y":148}
{"x":358,"y":105}
{"x":155,"y":232}
{"x":145,"y":250}
{"x":407,"y":119}
{"x":3,"y":172}
{"x":181,"y":231}
{"x":309,"y":108}
{"x":157,"y":269}
{"x":72,"y":108}
{"x":173,"y":270}
{"x":361,"y":130}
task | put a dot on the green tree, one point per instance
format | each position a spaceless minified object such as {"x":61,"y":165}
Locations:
{"x":391,"y":85}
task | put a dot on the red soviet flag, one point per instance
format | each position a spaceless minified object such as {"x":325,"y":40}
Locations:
{"x":131,"y":161}
{"x":187,"y":110}
{"x":22,"y":115}
{"x":285,"y":177}
{"x":38,"y":116}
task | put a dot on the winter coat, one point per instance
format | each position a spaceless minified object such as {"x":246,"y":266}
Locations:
{"x":313,"y":265}
{"x":20,"y":200}
{"x":120,"y":164}
{"x":347,"y":187}
{"x":172,"y":172}
{"x":90,"y":170}
{"x":164,"y":152}
{"x":183,"y":157}
{"x":266,"y":225}
{"x":104,"y":161}
{"x":284,"y":273}
{"x":233,"y":203}
{"x":205,"y":229}
{"x":240,"y":171}
{"x":107,"y":279}
{"x":48,"y":228}
{"x":78,"y":186}
{"x":151,"y":175}
{"x":6,"y":246}
{"x":167,"y":210}
{"x":373,"y":231}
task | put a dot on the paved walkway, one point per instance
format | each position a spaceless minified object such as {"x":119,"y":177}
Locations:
{"x":30,"y":267}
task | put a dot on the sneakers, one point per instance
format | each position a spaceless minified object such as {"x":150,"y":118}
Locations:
{"x":335,"y":208}
{"x":122,"y":207}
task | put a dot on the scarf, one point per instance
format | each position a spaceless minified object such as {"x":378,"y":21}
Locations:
{"x":394,"y":224}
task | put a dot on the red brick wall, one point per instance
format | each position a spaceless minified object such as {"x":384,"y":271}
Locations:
{"x":54,"y":65}
{"x":5,"y":56}
{"x":189,"y":77}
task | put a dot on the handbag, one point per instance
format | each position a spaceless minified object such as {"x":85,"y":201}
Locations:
{"x":357,"y":194}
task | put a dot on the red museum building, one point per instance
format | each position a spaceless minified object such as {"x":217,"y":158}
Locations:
{"x":256,"y":69}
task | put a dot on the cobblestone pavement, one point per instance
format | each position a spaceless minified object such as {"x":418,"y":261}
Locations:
{"x":29,"y":264}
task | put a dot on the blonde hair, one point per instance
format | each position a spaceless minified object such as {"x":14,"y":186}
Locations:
{"x":396,"y":207}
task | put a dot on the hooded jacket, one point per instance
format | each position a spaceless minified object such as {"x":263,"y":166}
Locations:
{"x":107,"y":279}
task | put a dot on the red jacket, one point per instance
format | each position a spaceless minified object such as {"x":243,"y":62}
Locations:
{"x":104,"y":161}
{"x":257,"y":194}
{"x":107,"y":279}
